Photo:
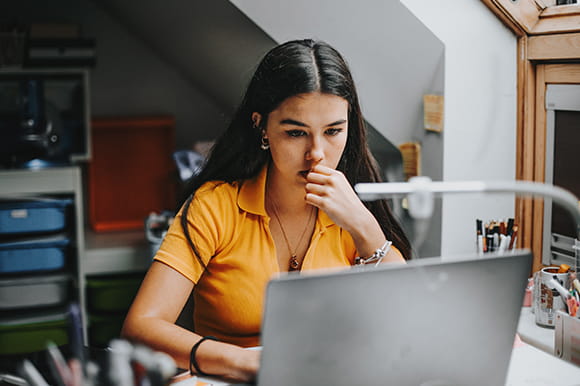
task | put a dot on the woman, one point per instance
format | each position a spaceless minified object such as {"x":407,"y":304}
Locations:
{"x":275,"y":195}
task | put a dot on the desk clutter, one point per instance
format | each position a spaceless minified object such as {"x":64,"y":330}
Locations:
{"x":555,"y":304}
{"x":495,"y":235}
{"x":555,"y":288}
{"x":120,"y":364}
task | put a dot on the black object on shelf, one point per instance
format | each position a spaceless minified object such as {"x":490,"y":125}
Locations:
{"x":43,"y":117}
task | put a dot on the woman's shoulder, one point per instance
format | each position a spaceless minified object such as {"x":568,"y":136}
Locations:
{"x":216,"y":191}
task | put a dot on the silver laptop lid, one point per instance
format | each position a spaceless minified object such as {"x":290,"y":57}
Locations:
{"x":429,"y":322}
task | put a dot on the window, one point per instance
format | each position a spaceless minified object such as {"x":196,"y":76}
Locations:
{"x":562,"y":160}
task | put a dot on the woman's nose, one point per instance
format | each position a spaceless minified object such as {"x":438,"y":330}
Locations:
{"x":316,"y":152}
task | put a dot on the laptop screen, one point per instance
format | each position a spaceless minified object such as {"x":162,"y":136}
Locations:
{"x":429,"y":322}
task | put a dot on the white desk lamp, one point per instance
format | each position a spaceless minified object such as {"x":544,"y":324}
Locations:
{"x":421,"y":191}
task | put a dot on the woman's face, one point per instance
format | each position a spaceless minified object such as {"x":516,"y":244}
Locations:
{"x":306,"y":130}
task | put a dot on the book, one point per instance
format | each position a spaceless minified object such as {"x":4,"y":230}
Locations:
{"x":61,"y":52}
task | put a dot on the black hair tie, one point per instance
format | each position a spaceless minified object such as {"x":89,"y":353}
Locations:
{"x":193,"y":361}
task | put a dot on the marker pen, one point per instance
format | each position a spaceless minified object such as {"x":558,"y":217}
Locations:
{"x":31,"y":374}
{"x":576,"y":284}
{"x":503,"y":243}
{"x":75,"y":333}
{"x":60,"y":370}
{"x":573,"y":306}
{"x":496,"y":236}
{"x":514,"y":237}
{"x":489,"y":241}
{"x":120,"y":370}
{"x":508,"y":241}
{"x":480,"y":244}
{"x":510,"y":226}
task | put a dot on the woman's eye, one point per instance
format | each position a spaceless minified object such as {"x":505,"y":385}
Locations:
{"x":295,"y":133}
{"x":333,"y":131}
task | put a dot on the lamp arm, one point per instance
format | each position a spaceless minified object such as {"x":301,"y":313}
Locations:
{"x":424,"y":185}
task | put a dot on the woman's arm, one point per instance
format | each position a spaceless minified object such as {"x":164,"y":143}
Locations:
{"x":151,"y":321}
{"x":329,"y":190}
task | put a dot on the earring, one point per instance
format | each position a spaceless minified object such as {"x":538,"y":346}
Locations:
{"x":264,"y":143}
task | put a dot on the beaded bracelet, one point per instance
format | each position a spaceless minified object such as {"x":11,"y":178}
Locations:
{"x":193,"y":361}
{"x":377,"y":256}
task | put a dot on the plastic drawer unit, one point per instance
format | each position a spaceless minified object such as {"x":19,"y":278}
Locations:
{"x":33,"y":216}
{"x":104,"y":328}
{"x":33,"y":291}
{"x":29,"y":332}
{"x":112,"y":293}
{"x":46,"y":254}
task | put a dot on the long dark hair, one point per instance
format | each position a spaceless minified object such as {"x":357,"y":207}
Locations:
{"x":292,"y":68}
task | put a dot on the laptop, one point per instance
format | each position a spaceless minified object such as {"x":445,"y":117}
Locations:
{"x":432,"y":321}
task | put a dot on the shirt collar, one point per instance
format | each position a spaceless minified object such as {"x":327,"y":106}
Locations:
{"x":252,"y":193}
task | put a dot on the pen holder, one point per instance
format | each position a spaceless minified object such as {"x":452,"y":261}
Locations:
{"x":547,"y":300}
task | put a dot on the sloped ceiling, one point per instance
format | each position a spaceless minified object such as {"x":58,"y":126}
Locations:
{"x":395,"y":59}
{"x":212,"y":43}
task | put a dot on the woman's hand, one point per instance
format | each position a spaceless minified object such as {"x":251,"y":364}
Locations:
{"x":229,"y":362}
{"x":329,"y":190}
{"x":250,"y":362}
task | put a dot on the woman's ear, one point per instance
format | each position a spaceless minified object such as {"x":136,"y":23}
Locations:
{"x":256,"y":119}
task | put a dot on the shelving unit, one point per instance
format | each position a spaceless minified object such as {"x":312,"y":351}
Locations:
{"x":65,"y":181}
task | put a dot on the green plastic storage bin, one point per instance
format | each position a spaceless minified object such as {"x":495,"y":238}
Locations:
{"x":112,"y":293}
{"x":30,"y":333}
{"x":104,"y":328}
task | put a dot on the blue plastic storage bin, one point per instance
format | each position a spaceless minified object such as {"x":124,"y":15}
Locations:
{"x":47,"y":254}
{"x":33,"y":216}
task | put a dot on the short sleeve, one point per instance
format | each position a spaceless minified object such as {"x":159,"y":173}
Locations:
{"x":206,"y":222}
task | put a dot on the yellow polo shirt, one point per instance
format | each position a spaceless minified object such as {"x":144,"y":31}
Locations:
{"x":229,"y":225}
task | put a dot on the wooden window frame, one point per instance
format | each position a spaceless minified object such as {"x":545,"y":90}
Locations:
{"x":548,"y":52}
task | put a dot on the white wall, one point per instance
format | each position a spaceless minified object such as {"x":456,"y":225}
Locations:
{"x":480,"y":111}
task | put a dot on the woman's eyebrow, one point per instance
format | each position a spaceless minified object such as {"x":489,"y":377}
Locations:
{"x":293,"y":122}
{"x":288,"y":121}
{"x":339,"y":122}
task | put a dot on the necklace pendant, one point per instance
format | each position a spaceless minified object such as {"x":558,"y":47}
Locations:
{"x":294,"y":263}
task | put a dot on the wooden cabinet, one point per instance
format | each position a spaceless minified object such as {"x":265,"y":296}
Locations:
{"x":548,"y":52}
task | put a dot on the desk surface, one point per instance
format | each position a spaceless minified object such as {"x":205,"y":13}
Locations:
{"x":534,"y":335}
{"x":529,"y":366}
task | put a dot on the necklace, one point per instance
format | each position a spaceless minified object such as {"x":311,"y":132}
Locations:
{"x":294,"y":263}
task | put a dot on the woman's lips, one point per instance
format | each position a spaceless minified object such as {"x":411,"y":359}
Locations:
{"x":304,"y":173}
